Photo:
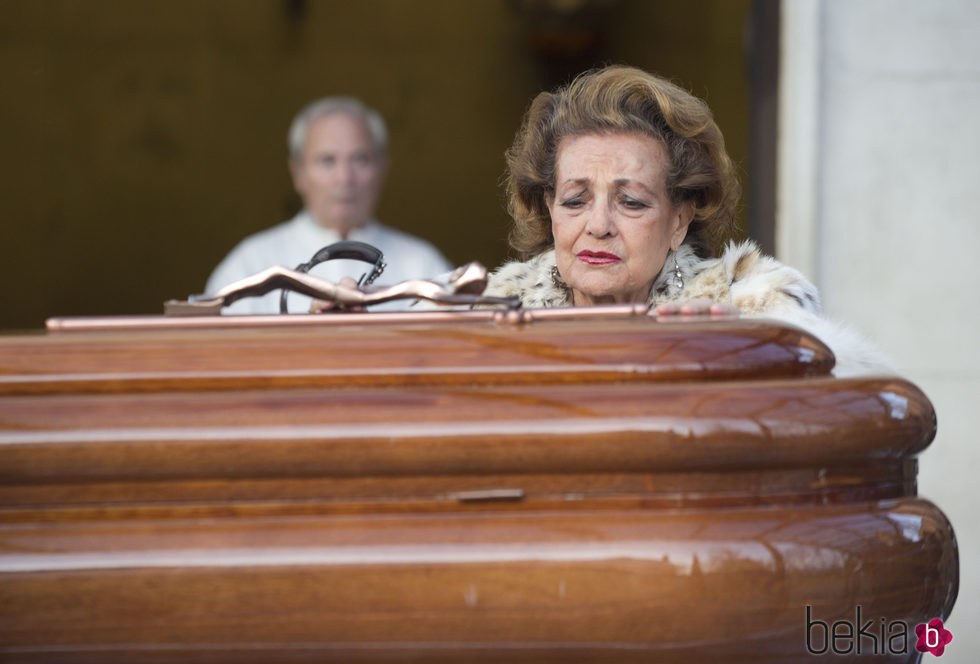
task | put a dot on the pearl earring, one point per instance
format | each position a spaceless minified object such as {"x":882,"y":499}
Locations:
{"x":678,"y":275}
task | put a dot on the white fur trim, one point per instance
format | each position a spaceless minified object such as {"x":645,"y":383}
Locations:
{"x":754,"y":283}
{"x":856,"y":356}
{"x":530,"y":280}
{"x":760,"y":286}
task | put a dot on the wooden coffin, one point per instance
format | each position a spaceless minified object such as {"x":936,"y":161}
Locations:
{"x":552,"y":486}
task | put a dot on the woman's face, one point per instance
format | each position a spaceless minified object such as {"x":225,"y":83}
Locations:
{"x":612,"y":220}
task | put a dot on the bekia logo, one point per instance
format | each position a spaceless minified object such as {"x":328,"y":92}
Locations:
{"x":878,"y":637}
{"x":933,"y":637}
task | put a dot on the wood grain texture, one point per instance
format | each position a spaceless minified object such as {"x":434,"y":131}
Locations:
{"x":467,"y":352}
{"x":455,"y":490}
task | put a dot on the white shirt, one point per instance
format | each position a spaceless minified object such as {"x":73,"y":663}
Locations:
{"x":295,"y":241}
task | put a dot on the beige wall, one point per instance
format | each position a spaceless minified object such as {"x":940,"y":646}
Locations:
{"x":142,"y":139}
{"x":880,"y":198}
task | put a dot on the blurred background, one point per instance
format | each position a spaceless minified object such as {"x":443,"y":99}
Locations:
{"x":143,"y":139}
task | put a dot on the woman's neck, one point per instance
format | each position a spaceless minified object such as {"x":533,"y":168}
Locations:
{"x":580,"y":299}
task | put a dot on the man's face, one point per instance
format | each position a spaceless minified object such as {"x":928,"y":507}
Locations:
{"x":340,"y":173}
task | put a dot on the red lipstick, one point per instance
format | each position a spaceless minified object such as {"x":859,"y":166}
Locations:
{"x":597,"y":257}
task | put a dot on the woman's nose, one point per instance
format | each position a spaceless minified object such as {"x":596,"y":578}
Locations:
{"x":600,"y":223}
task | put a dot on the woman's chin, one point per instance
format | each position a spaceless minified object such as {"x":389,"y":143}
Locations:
{"x":591,"y":296}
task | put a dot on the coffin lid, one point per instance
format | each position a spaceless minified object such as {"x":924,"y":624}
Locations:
{"x":585,"y":345}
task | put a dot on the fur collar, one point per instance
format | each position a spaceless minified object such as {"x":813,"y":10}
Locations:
{"x":742,"y":276}
{"x":537,"y":283}
{"x":758,"y":285}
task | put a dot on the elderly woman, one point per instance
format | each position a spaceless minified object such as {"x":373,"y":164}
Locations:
{"x":619,"y":185}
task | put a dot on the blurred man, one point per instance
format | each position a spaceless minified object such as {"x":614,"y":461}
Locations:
{"x":338,"y":161}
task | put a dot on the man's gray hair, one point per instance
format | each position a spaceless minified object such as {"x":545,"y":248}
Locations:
{"x":328,"y":105}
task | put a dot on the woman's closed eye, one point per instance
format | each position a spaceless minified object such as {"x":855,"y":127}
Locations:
{"x":573,"y":203}
{"x":631,"y":203}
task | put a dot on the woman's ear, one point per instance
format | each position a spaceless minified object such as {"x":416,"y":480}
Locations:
{"x":683,"y":216}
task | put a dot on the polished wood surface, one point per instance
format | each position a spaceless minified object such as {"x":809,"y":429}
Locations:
{"x":468,"y":489}
{"x":472,"y":350}
{"x":561,"y":430}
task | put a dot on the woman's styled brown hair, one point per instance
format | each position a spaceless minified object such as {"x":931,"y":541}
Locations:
{"x":620,"y":99}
